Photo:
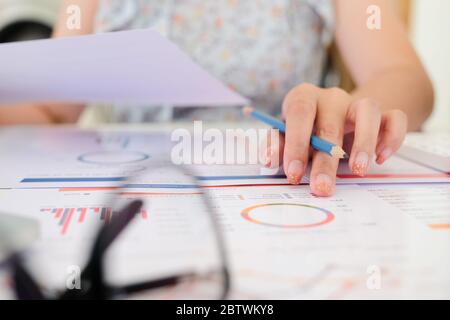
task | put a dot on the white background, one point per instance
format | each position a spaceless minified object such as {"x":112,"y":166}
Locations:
{"x":430,"y":32}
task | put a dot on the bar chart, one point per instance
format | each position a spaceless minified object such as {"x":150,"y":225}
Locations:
{"x":65,"y":217}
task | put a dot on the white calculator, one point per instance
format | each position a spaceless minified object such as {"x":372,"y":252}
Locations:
{"x":432,"y":150}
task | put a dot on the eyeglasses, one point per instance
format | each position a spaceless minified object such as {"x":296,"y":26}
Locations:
{"x":163,"y":243}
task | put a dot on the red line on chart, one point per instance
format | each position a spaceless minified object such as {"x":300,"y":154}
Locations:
{"x":83,"y":212}
{"x":67,"y":222}
{"x":132,"y":194}
{"x":58,"y":213}
{"x":396,"y":175}
{"x":345,"y":288}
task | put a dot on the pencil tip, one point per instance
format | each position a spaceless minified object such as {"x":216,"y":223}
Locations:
{"x":247,"y":110}
{"x":338,"y":152}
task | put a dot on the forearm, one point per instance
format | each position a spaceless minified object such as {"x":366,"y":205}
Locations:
{"x":382,"y":61}
{"x":23,"y":114}
{"x":51,"y":113}
{"x":407,"y":88}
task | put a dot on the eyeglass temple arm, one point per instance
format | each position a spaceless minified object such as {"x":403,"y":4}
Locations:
{"x":92,"y":276}
{"x":25,"y":286}
{"x":151,"y":285}
{"x":110,"y":232}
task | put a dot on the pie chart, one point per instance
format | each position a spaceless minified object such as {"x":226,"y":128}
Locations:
{"x":117,"y":157}
{"x":287,"y":215}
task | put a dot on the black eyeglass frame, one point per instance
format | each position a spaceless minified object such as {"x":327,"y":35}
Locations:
{"x":92,"y":277}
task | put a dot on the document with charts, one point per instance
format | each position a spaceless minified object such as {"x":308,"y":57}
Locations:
{"x":282,"y":242}
{"x":52,"y":157}
{"x":429,"y":203}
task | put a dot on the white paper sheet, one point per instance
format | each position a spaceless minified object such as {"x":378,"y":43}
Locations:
{"x":129,"y":67}
{"x":428,"y":203}
{"x":38,"y":158}
{"x":282,"y":242}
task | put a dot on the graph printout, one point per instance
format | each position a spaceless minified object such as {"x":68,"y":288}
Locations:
{"x":429,"y":204}
{"x":54,"y":158}
{"x":282,"y":242}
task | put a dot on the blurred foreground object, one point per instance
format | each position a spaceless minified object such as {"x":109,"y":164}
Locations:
{"x":16,"y":234}
{"x":27,"y":19}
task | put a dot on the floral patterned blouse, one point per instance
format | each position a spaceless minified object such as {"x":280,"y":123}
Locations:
{"x":260,"y":48}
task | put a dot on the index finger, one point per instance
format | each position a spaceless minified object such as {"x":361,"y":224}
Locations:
{"x":299,"y":110}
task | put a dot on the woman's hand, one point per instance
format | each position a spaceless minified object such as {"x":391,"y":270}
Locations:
{"x":332,"y":114}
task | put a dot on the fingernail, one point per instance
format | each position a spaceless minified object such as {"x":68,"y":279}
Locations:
{"x":323,"y":185}
{"x":386,"y":154}
{"x":295,"y":172}
{"x":361,"y":164}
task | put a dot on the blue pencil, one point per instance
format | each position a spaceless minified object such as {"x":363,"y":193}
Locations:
{"x":317,"y":143}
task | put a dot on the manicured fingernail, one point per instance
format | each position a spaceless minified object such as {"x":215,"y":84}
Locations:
{"x":295,"y":172}
{"x":361,"y":164}
{"x":323,"y":185}
{"x":385,"y":154}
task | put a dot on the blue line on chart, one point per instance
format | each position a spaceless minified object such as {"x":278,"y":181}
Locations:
{"x":119,"y":179}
